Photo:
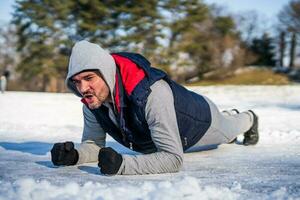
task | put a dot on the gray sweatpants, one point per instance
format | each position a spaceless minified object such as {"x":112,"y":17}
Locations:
{"x":225,"y":126}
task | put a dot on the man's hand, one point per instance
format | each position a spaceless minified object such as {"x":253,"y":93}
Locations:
{"x":109,"y":161}
{"x":64,"y":154}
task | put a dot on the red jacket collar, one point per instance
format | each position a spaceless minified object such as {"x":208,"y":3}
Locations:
{"x":131,"y":75}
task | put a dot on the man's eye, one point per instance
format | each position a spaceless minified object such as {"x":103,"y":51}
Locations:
{"x":75,"y":82}
{"x":89,"y":78}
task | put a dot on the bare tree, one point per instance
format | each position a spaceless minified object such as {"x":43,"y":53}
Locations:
{"x":293,"y":49}
{"x":8,"y":55}
{"x":248,"y":25}
{"x":282,"y":46}
{"x":289,"y":18}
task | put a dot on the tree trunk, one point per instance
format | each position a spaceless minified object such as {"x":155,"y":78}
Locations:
{"x":281,"y":48}
{"x":45,"y":81}
{"x":293,"y":49}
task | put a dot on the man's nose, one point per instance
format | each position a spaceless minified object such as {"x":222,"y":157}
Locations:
{"x":84,"y":87}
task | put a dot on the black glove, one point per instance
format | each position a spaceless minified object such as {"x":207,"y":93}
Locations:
{"x":109,"y":161}
{"x":64,"y":154}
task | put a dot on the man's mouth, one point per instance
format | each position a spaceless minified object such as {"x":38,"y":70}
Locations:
{"x":87,"y":95}
{"x":88,"y":98}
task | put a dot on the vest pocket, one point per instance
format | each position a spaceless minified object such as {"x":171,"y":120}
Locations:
{"x":190,"y":129}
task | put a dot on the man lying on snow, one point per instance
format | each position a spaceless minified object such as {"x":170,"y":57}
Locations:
{"x":144,"y":110}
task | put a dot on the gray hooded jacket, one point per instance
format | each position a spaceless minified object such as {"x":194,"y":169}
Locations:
{"x":159,"y":113}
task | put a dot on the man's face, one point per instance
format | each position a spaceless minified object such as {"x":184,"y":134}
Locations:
{"x":92,"y":87}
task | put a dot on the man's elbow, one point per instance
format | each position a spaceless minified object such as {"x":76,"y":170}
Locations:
{"x":178,"y":163}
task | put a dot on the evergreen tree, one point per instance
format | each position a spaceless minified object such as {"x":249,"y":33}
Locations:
{"x":40,"y":32}
{"x":188,"y":32}
{"x":264,"y":49}
{"x":45,"y":27}
{"x":140,"y":22}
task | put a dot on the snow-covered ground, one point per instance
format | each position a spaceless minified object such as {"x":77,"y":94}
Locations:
{"x":31,"y":122}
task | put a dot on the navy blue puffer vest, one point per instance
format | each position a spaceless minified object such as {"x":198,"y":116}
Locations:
{"x":192,"y":111}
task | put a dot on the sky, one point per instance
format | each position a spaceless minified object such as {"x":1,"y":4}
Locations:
{"x":269,"y":8}
{"x":6,"y":10}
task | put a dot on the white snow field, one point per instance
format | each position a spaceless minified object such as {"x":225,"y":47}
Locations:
{"x":31,"y":122}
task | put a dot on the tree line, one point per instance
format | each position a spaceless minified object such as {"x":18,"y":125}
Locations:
{"x":186,"y":38}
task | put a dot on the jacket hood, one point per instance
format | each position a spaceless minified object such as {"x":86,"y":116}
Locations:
{"x":89,"y":56}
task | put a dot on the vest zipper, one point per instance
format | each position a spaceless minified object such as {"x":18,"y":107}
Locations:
{"x":130,"y":145}
{"x":125,"y":140}
{"x":123,"y":136}
{"x":185,"y":141}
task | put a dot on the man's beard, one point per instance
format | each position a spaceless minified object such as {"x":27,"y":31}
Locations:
{"x":95,"y":105}
{"x":97,"y":100}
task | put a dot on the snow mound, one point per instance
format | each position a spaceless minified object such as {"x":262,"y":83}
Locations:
{"x":185,"y":188}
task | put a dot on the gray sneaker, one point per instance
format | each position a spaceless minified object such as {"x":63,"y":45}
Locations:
{"x":251,"y":136}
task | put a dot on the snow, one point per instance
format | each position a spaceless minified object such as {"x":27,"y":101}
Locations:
{"x":31,"y":122}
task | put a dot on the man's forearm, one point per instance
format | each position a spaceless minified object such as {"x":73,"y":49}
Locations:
{"x":155,"y":163}
{"x":88,"y":152}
